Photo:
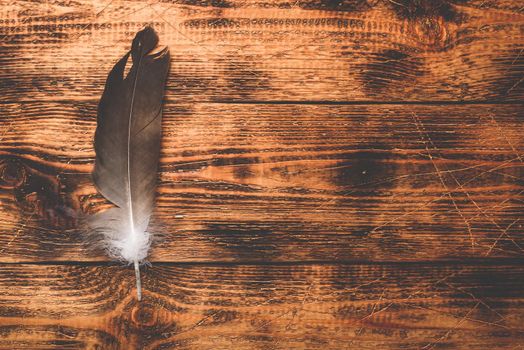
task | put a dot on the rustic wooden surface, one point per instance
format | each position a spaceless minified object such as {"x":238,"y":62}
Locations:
{"x":272,"y":306}
{"x":334,"y":175}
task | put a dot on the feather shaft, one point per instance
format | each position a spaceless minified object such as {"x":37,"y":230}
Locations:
{"x":138,"y":281}
{"x":128,"y":182}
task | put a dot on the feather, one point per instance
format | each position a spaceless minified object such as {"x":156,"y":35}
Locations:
{"x":127,"y":146}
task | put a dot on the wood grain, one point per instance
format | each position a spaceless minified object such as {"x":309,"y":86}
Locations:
{"x":263,"y":307}
{"x":334,"y":175}
{"x":271,"y":50}
{"x":280,"y":182}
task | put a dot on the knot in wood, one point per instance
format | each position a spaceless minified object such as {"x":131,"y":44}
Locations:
{"x":12,"y":174}
{"x":143,"y":315}
{"x":432,"y":32}
{"x":150,"y":318}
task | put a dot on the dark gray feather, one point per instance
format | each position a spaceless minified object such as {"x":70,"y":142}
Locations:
{"x":127,"y":146}
{"x":127,"y":139}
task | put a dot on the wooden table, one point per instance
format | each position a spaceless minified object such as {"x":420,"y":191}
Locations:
{"x":334,"y":175}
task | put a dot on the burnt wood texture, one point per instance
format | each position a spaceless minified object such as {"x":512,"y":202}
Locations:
{"x":333,"y":175}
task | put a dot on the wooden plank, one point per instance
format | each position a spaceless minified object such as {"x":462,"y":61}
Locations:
{"x":263,"y":307}
{"x":279,"y":182}
{"x":271,"y":50}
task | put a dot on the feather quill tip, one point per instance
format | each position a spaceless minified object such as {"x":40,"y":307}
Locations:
{"x":138,"y":281}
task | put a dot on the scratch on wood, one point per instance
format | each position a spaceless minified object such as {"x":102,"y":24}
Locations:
{"x":462,"y":320}
{"x":419,"y":127}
